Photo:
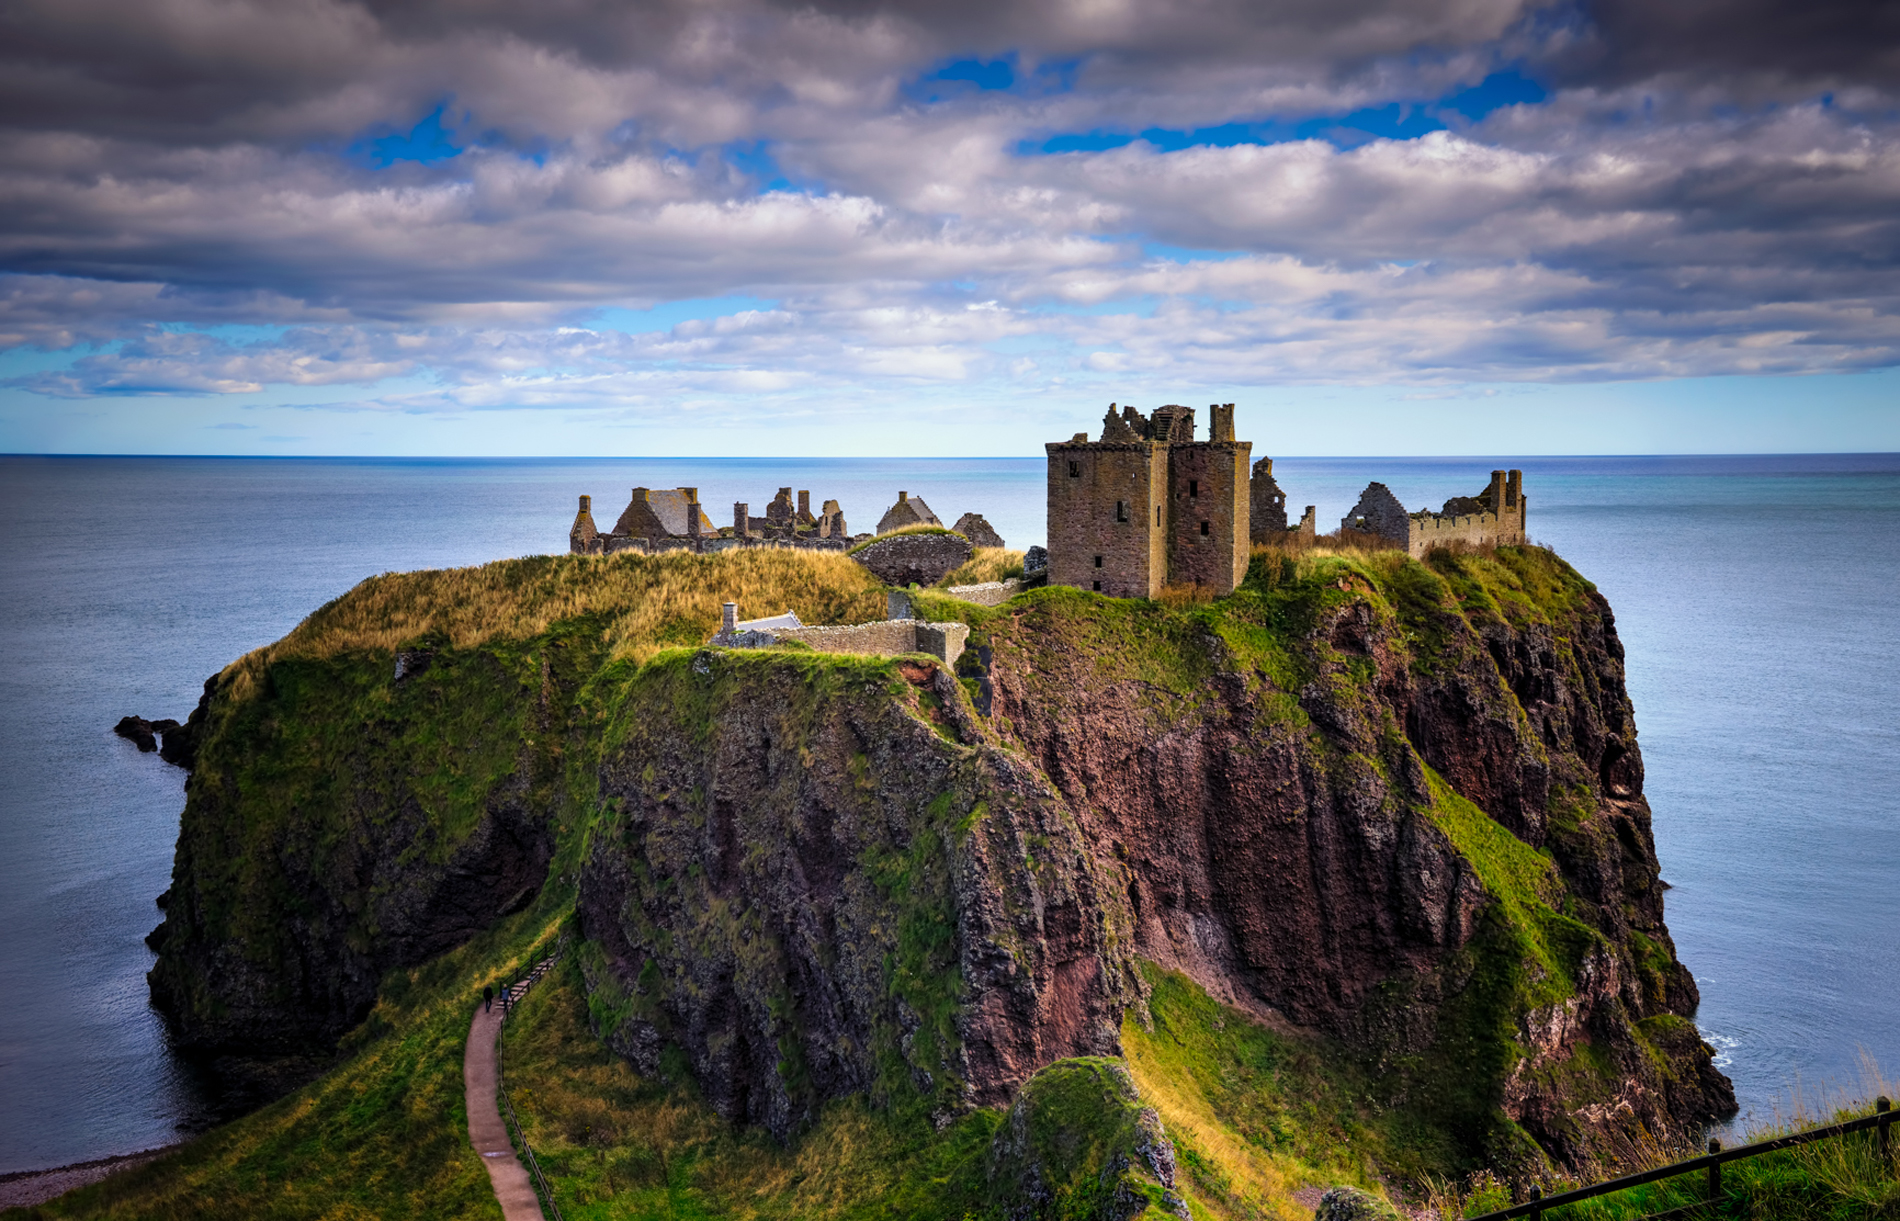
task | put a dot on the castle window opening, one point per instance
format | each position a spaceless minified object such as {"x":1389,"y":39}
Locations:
{"x":1194,"y":490}
{"x":1157,"y":515}
{"x":1098,"y":587}
{"x":1203,"y":529}
{"x":1075,"y":470}
{"x":1098,"y":561}
{"x":1121,"y":510}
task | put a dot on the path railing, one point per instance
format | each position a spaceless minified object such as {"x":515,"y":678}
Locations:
{"x":510,"y":996}
{"x":1710,"y":1163}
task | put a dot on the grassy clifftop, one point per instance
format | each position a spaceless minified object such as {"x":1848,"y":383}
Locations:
{"x":1421,"y":777}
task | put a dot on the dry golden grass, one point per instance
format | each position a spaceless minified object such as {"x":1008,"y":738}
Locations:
{"x":987,"y":564}
{"x":1185,"y":596}
{"x":650,"y":602}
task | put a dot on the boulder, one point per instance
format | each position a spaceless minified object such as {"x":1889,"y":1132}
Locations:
{"x":1351,"y":1204}
{"x":921,"y":559}
{"x":980,"y":533}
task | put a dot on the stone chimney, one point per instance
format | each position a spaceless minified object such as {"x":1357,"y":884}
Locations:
{"x":729,"y":617}
{"x":1496,"y":492}
{"x":741,"y":519}
{"x":804,"y":506}
{"x":1220,"y":425}
{"x":1513,"y":487}
{"x":902,"y":497}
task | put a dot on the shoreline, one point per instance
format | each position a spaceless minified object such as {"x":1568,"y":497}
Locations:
{"x":26,"y":1188}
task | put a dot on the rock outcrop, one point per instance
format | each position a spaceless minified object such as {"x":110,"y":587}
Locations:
{"x":1398,"y":805}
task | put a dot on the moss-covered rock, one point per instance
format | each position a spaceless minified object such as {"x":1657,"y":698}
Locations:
{"x":1078,"y":1145}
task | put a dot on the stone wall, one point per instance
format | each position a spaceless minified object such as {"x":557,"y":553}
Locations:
{"x":1107,"y":502}
{"x":921,"y":559}
{"x":1208,"y":530}
{"x":1499,"y":522}
{"x":1378,"y":512}
{"x":1266,"y":509}
{"x":889,"y":638}
{"x":989,"y":593}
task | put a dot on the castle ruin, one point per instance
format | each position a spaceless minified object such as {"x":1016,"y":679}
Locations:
{"x":1495,"y":517}
{"x":1148,"y":505}
{"x":672,"y":519}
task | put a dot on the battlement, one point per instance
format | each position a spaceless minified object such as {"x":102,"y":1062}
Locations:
{"x":1495,"y":517}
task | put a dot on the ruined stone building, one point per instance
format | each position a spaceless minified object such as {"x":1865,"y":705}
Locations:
{"x":908,"y":511}
{"x":674,"y":520}
{"x":1148,"y":504}
{"x":1494,"y":517}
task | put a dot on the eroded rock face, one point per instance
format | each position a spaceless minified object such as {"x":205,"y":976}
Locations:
{"x":826,"y":887}
{"x":1286,"y":847}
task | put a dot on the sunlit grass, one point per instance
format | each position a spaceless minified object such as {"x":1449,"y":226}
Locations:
{"x":988,"y":564}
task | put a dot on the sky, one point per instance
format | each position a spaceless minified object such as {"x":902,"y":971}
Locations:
{"x":947,"y":227}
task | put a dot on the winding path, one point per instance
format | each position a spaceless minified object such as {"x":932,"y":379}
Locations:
{"x":486,"y":1131}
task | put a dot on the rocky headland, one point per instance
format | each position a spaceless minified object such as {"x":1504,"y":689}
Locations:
{"x":1389,"y":810}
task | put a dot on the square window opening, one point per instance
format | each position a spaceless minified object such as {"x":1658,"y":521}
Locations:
{"x":1098,"y":561}
{"x":1121,"y":510}
{"x":1098,"y":587}
{"x":1203,"y":529}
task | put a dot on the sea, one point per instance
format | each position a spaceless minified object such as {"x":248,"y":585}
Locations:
{"x":1758,"y":599}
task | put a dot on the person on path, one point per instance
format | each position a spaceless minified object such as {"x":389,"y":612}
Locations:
{"x":488,"y":997}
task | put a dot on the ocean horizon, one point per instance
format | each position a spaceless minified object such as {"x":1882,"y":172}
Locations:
{"x":1753,"y":595}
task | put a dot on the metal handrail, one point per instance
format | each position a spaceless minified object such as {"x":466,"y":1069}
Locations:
{"x":1712,"y":1162}
{"x":508,"y":999}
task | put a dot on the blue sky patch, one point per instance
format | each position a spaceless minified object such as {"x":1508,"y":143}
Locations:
{"x":962,"y":77}
{"x":666,"y":316}
{"x":424,"y":144}
{"x":1406,"y":120}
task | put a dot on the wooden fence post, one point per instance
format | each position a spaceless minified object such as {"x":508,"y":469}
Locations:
{"x":1537,"y":1193}
{"x":1884,"y":1109}
{"x":1715,"y":1173}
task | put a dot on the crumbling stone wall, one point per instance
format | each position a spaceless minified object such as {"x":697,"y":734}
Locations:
{"x":920,"y":559}
{"x":1379,"y":512}
{"x":584,"y":538}
{"x":1495,"y":517}
{"x":974,"y":527}
{"x":908,"y":511}
{"x":1266,"y":505}
{"x":888,"y":637}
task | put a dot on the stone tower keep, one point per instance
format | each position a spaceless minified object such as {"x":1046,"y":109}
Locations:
{"x":1148,"y":504}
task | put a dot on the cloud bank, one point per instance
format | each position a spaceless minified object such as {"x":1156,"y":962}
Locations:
{"x":434,"y":207}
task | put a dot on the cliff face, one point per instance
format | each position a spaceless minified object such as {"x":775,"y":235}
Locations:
{"x":340,"y":822}
{"x":1393,"y":805}
{"x":1403,"y":806}
{"x":817,"y":877}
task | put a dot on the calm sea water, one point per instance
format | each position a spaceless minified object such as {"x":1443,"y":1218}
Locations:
{"x":1756,"y":597}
